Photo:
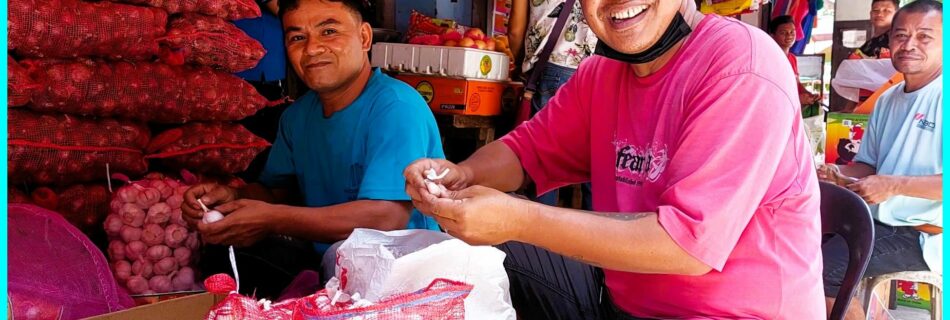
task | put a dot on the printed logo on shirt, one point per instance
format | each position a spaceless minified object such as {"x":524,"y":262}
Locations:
{"x":923,"y":123}
{"x":634,"y":164}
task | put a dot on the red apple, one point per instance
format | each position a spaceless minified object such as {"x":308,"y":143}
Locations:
{"x":475,"y":34}
{"x":450,"y":43}
{"x":480,"y":44}
{"x":490,"y":45}
{"x":467,"y":43}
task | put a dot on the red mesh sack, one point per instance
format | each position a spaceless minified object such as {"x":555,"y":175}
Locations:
{"x":48,"y":149}
{"x":85,"y":206}
{"x":72,"y":28}
{"x":227,"y":9}
{"x":443,"y":299}
{"x":151,"y":92}
{"x":15,"y":195}
{"x":236,"y":306}
{"x":19,"y":85}
{"x":215,"y":148}
{"x":151,"y":248}
{"x":210,"y":41}
{"x":54,"y":271}
{"x":421,"y":24}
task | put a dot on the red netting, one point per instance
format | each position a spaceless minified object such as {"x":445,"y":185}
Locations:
{"x":15,"y":195}
{"x":85,"y":206}
{"x":152,"y":92}
{"x":48,"y":149}
{"x":215,"y":148}
{"x":54,"y":271}
{"x":227,"y":9}
{"x":443,"y":299}
{"x":72,"y":28}
{"x":151,"y":248}
{"x":210,"y":41}
{"x":19,"y":85}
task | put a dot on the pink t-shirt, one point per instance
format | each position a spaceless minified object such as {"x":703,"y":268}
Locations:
{"x":714,"y":143}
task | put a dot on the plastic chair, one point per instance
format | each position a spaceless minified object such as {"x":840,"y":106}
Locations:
{"x":932,"y":278}
{"x":844,"y":213}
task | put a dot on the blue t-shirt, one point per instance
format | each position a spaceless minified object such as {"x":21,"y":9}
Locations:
{"x":358,"y":153}
{"x":268,"y":31}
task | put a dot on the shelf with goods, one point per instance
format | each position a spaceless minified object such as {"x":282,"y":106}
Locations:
{"x":112,"y":102}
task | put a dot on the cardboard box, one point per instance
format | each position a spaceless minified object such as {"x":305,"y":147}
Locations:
{"x":184,"y":308}
{"x":144,"y":299}
{"x":462,"y":96}
{"x":440,"y":61}
{"x":845,"y":131}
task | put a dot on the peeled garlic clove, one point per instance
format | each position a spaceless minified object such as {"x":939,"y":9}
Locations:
{"x":434,"y":188}
{"x":212,"y":216}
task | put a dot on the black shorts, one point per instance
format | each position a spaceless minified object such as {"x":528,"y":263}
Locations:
{"x":545,"y":285}
{"x":896,"y":249}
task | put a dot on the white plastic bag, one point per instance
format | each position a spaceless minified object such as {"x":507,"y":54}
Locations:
{"x":379,"y":264}
{"x":867,"y":74}
{"x":815,"y":130}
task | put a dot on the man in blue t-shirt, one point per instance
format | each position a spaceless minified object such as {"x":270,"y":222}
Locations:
{"x":339,"y":150}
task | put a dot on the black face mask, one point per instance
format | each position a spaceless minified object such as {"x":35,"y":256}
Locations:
{"x":677,"y":30}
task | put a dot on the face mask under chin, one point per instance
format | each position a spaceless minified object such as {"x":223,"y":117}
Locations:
{"x":676,"y":31}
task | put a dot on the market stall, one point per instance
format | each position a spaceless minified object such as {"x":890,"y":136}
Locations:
{"x":117,"y":107}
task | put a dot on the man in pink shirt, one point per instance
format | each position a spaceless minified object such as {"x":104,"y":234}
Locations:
{"x":705,"y":197}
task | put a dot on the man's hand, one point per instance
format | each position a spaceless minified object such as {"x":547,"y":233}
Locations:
{"x":875,"y":189}
{"x":478,"y":215}
{"x":211,"y":194}
{"x":832,"y":174}
{"x":245,"y":223}
{"x":415,"y":175}
{"x":808,"y":98}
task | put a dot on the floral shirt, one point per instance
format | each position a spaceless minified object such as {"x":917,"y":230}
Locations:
{"x":575,"y":43}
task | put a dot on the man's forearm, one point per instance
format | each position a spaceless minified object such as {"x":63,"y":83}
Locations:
{"x":494,"y":166}
{"x":857,"y":170}
{"x":927,"y":187}
{"x":624,"y":242}
{"x":334,"y":223}
{"x":257,"y":191}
